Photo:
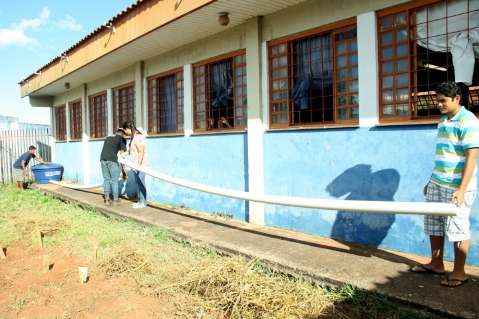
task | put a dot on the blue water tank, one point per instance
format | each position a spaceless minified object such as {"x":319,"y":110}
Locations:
{"x":46,"y":172}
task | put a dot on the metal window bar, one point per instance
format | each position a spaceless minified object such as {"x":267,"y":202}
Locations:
{"x":421,"y":78}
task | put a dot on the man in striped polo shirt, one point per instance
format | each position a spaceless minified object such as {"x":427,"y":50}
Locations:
{"x":453,"y":180}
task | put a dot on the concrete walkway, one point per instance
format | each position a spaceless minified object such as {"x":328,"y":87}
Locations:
{"x":321,"y":259}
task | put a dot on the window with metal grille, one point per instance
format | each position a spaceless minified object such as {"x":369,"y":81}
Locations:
{"x":421,"y":46}
{"x":123,"y":105}
{"x":219,"y":90}
{"x":97,"y":115}
{"x":314,"y":77}
{"x":75,"y":120}
{"x":165,"y":102}
{"x":60,"y":123}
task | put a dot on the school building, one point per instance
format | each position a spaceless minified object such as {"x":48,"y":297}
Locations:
{"x":319,"y":99}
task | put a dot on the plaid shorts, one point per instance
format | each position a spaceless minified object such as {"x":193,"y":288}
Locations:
{"x":456,"y":228}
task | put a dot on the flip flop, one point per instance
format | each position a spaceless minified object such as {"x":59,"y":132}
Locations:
{"x":453,"y":283}
{"x":422,"y":269}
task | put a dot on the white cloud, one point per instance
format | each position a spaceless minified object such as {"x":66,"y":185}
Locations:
{"x":69,"y":23}
{"x":14,"y":37}
{"x":35,"y":22}
{"x":16,"y":33}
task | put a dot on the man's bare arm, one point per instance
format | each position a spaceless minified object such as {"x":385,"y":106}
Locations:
{"x":141,"y":153}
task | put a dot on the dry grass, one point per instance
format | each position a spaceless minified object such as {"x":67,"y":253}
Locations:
{"x":47,"y":227}
{"x":235,"y":287}
{"x":124,"y":261}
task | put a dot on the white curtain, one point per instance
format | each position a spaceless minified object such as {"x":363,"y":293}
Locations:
{"x":458,"y":33}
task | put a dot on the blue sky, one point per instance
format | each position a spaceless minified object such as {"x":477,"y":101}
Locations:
{"x":32,"y":32}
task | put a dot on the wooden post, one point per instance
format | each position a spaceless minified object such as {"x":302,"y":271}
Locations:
{"x":39,"y":235}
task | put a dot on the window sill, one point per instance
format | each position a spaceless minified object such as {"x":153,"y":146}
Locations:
{"x":155,"y":135}
{"x":75,"y":140}
{"x":96,"y":139}
{"x":218,"y":132}
{"x":407,"y":122}
{"x":313,"y":127}
{"x":61,"y":141}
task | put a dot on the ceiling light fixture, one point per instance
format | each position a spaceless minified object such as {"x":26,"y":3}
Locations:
{"x":223,"y":18}
{"x":435,"y":67}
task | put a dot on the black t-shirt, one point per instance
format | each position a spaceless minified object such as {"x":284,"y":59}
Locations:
{"x":112,"y":145}
{"x":24,"y":157}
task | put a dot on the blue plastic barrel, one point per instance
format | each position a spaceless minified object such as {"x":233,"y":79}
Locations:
{"x":47,"y":172}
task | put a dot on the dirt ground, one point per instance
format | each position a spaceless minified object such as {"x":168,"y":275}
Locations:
{"x":40,"y":284}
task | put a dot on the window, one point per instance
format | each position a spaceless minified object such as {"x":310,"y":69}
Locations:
{"x":97,"y":110}
{"x":60,"y":123}
{"x":420,"y":47}
{"x":123,"y":105}
{"x":75,"y":120}
{"x":314,"y":77}
{"x":219,"y":87}
{"x":165,"y":103}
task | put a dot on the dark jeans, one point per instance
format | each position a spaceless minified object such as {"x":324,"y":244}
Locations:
{"x":111,"y":172}
{"x":140,"y":182}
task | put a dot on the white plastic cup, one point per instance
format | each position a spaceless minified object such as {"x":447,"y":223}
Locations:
{"x":83,"y":274}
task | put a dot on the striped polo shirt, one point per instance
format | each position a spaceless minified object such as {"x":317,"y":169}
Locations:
{"x":454,"y":136}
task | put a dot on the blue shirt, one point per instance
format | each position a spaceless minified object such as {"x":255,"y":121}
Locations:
{"x":454,"y":137}
{"x":24,"y":157}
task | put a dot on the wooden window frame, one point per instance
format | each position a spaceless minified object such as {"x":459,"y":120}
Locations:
{"x":412,"y":117}
{"x":93,"y":114}
{"x":206,"y":64}
{"x":333,"y":28}
{"x":60,"y":123}
{"x":115,"y":120}
{"x":154,"y":97}
{"x":76,"y":117}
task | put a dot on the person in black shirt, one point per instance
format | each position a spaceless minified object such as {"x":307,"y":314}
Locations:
{"x":110,"y":167}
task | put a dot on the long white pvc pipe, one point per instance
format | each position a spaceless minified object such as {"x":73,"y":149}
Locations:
{"x":411,"y":208}
{"x":75,"y":186}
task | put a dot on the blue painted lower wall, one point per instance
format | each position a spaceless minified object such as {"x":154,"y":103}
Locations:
{"x":217,"y":160}
{"x":70,"y":156}
{"x":389,"y":163}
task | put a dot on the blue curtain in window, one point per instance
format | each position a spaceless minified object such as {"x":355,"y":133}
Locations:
{"x":221,"y":81}
{"x":313,"y":69}
{"x":168,"y":104}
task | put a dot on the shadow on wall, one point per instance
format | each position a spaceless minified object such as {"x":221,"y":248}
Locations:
{"x":363,"y":184}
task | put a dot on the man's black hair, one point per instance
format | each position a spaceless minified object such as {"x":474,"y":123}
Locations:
{"x":449,"y":89}
{"x":32,"y":147}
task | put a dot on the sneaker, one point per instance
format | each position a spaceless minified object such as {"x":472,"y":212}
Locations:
{"x":138,"y":205}
{"x":107,"y":202}
{"x":116,"y":202}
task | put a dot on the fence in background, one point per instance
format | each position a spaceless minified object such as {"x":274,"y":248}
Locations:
{"x":14,"y":143}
